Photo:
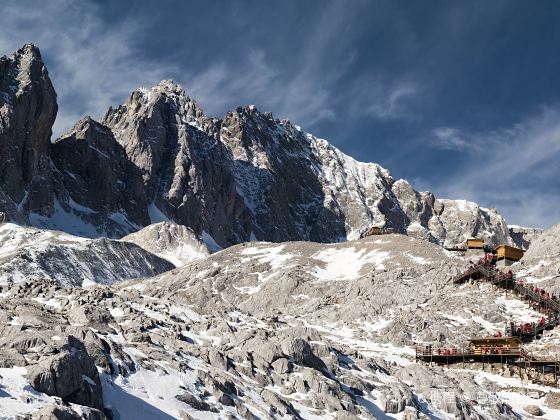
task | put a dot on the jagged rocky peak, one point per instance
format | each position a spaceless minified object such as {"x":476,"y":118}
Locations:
{"x":27,"y":112}
{"x":167,"y":96}
{"x":155,"y":124}
{"x":464,"y":219}
{"x":89,"y":130}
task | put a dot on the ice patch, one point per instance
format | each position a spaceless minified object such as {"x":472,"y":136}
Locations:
{"x":66,"y":221}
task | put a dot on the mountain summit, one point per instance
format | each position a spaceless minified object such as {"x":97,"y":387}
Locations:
{"x":158,"y":157}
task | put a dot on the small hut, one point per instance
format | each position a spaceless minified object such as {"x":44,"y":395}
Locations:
{"x":475,"y":243}
{"x":375,"y":230}
{"x":475,"y":247}
{"x":507,"y":255}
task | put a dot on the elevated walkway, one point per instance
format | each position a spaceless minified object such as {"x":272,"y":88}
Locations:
{"x":505,"y":350}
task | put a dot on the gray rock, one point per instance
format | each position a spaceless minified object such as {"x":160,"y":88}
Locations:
{"x":193,"y":401}
{"x":96,"y":173}
{"x":279,"y":404}
{"x":67,"y":413}
{"x":70,"y":376}
{"x":552,"y":400}
{"x":534,"y":410}
{"x":27,"y":112}
{"x":301,"y":352}
{"x":281,"y":365}
{"x":10,"y":358}
{"x":395,"y":398}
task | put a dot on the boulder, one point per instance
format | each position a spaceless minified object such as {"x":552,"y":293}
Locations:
{"x":282,"y":365}
{"x":301,"y":353}
{"x":534,"y":410}
{"x":67,"y":413}
{"x":70,"y":376}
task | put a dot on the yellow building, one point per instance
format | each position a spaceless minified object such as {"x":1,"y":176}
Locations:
{"x":475,"y":243}
{"x":507,"y":255}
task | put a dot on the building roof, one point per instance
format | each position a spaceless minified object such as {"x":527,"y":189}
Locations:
{"x":475,"y":242}
{"x":509,"y":247}
{"x":495,"y":340}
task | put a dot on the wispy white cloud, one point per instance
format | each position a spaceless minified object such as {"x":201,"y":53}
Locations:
{"x":392,"y":103}
{"x":95,"y":64}
{"x":513,"y":168}
{"x":304,"y":92}
{"x":449,"y":138}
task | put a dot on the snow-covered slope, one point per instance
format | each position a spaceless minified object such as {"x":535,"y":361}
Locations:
{"x":173,"y":242}
{"x":541,"y":262}
{"x":29,"y":253}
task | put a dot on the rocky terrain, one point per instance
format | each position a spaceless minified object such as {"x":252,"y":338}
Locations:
{"x":246,"y":176}
{"x":523,"y":236}
{"x":265,"y":330}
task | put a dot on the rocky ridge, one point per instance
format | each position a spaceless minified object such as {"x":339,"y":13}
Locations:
{"x":27,"y":112}
{"x":158,"y":157}
{"x":28,"y":253}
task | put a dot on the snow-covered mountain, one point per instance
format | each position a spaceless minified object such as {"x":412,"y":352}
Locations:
{"x":246,"y":176}
{"x":235,"y":285}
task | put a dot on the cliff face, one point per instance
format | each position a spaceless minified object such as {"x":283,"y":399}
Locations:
{"x":246,"y":176}
{"x":27,"y":112}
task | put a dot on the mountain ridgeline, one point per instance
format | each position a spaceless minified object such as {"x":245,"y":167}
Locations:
{"x":158,"y":157}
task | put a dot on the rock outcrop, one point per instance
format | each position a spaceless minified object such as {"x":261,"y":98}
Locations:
{"x":70,"y":376}
{"x":27,"y":112}
{"x":96,"y":173}
{"x":176,"y":243}
{"x":523,"y":237}
{"x":67,"y":413}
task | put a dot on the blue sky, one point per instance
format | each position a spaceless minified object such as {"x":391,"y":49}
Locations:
{"x":460,"y":98}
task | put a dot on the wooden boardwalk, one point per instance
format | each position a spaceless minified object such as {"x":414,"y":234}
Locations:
{"x":494,"y":352}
